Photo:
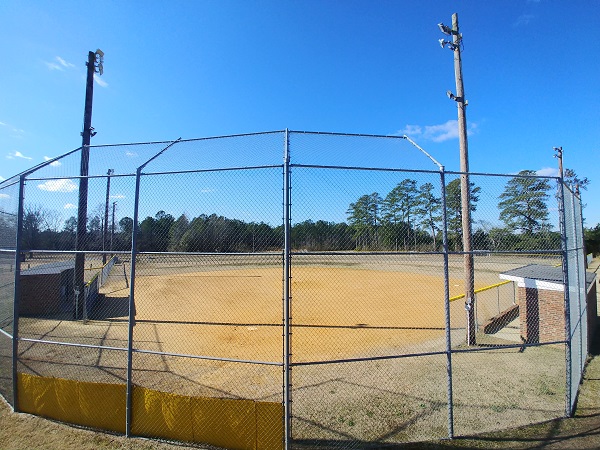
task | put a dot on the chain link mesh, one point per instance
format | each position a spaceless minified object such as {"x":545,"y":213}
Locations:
{"x":9,"y":200}
{"x":183,"y":333}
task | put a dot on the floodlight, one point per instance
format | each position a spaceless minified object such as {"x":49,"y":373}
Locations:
{"x":450,"y":95}
{"x":445,"y":29}
{"x":444,"y":43}
{"x":99,"y":61}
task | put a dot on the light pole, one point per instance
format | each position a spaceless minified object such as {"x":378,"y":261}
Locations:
{"x":465,"y":188}
{"x":559,"y":156}
{"x":94,"y":65}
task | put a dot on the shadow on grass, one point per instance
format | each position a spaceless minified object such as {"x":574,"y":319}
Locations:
{"x":559,"y":433}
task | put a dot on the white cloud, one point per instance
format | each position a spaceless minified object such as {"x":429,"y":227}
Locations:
{"x":547,"y":172}
{"x":62,"y":185}
{"x":58,"y":64}
{"x":441,"y":133}
{"x":64,"y":63}
{"x":70,"y":206}
{"x":206,"y":191}
{"x":53,"y":66}
{"x":100,"y":81}
{"x":4,"y":196}
{"x":17,"y":155}
{"x":523,"y":20}
{"x":13,"y":129}
{"x":412,"y":130}
{"x":131,"y":154}
{"x":53,"y":164}
{"x":437,"y":133}
{"x":117,"y":196}
{"x":2,"y":178}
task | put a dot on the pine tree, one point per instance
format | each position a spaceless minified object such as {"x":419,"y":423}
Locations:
{"x":523,"y":203}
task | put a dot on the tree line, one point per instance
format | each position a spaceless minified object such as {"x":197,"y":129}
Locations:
{"x":408,"y":218}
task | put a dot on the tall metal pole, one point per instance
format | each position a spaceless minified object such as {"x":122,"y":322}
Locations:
{"x":131,"y":315}
{"x":17,"y":297}
{"x":567,"y":307}
{"x":461,"y":104}
{"x":448,"y":324}
{"x":112,"y":228}
{"x":105,"y":230}
{"x":287,"y":383}
{"x":80,"y":239}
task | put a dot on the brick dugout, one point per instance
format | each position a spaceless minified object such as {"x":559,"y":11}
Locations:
{"x":541,"y":301}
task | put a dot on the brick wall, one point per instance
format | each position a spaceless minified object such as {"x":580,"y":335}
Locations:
{"x":542,"y":315}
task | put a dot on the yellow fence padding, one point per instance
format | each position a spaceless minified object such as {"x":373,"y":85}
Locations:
{"x":225,"y":422}
{"x":36,"y":395}
{"x":269,"y":426}
{"x":67,"y":398}
{"x":162,"y":415}
{"x":230,"y":423}
{"x":103,"y":405}
{"x":97,"y":405}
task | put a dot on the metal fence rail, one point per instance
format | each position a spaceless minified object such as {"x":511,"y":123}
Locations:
{"x":289,"y":289}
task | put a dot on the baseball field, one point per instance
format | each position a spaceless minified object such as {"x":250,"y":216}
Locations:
{"x":212,"y":326}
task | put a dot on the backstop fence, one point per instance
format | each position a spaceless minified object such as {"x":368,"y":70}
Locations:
{"x":289,"y":290}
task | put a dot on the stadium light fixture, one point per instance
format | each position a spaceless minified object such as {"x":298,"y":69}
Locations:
{"x":444,"y":43}
{"x":445,"y":29}
{"x":99,"y":63}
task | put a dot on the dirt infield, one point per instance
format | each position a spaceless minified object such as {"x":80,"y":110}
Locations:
{"x":336,"y":312}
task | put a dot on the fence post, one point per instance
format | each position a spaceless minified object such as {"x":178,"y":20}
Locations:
{"x":578,"y":264}
{"x":287,"y":394}
{"x":583,"y":287}
{"x":447,"y":306}
{"x":131,"y":318}
{"x":567,"y":307}
{"x":17,"y":294}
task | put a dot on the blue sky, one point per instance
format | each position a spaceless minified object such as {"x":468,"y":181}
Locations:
{"x":208,"y":68}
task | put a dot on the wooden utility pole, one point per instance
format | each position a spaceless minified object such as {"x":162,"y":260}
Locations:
{"x":464,"y":186}
{"x":465,"y":189}
{"x":559,"y":156}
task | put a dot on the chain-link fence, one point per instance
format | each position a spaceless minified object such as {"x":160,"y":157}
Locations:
{"x":289,"y":290}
